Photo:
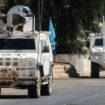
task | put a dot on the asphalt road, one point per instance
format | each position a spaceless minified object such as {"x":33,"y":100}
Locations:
{"x":65,"y":92}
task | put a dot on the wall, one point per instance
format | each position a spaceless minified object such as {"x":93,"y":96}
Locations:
{"x":80,"y":62}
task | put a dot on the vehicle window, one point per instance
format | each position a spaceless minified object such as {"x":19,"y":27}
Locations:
{"x":99,"y":42}
{"x":17,"y":44}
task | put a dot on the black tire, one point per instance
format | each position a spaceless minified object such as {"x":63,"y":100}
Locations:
{"x":34,"y":91}
{"x":47,"y":89}
{"x":31,"y":91}
{"x":94,"y":70}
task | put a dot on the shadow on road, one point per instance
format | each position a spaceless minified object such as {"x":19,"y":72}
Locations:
{"x":13,"y":97}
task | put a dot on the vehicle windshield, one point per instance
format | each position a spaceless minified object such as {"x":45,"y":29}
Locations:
{"x":99,"y":42}
{"x":17,"y":44}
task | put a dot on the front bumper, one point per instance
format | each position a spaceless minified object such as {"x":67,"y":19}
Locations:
{"x":16,"y":83}
{"x":26,"y":81}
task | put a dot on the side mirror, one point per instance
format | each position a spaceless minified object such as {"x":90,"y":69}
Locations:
{"x":45,"y":49}
{"x":88,"y":44}
{"x":85,"y":50}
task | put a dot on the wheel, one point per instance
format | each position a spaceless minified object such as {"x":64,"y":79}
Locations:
{"x":31,"y":91}
{"x":47,"y":89}
{"x":94,"y":70}
{"x":35,"y":90}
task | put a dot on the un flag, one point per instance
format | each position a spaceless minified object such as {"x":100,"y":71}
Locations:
{"x":52,"y":36}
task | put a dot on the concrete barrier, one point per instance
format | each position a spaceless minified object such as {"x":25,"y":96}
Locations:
{"x":80,"y":62}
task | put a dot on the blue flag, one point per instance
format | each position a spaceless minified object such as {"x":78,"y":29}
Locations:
{"x":52,"y":36}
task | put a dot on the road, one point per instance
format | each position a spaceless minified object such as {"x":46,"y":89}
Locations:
{"x":65,"y":92}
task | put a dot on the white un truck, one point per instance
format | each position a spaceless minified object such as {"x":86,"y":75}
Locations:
{"x":97,"y":52}
{"x":26,"y":58}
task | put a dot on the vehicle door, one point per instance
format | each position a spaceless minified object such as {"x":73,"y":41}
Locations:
{"x":45,"y":56}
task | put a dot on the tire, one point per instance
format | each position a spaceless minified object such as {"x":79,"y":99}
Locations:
{"x":94,"y":70}
{"x":31,"y":91}
{"x":47,"y":89}
{"x":34,"y":91}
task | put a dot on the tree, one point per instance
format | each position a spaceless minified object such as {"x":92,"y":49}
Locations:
{"x":76,"y":17}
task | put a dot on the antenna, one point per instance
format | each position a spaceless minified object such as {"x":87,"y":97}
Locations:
{"x":40,"y":10}
{"x":33,"y":24}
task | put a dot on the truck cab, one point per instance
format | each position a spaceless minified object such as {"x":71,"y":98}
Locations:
{"x":97,"y":54}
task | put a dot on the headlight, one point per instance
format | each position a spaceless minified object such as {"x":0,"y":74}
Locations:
{"x":31,"y":63}
{"x":27,"y":62}
{"x":22,"y":63}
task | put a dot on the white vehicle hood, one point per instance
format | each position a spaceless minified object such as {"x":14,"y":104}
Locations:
{"x":18,"y":55}
{"x":97,"y":49}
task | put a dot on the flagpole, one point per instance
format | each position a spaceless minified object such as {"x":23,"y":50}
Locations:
{"x":39,"y":29}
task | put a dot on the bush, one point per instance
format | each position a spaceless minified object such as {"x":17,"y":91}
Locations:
{"x":73,"y":47}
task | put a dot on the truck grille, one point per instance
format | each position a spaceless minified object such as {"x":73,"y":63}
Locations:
{"x":23,"y":70}
{"x":8,"y":61}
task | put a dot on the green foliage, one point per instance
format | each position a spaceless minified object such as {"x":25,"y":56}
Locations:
{"x":3,"y":3}
{"x":73,"y":46}
{"x":79,"y":17}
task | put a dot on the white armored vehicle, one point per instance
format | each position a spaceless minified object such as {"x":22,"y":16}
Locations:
{"x":26,"y":58}
{"x":97,"y":52}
